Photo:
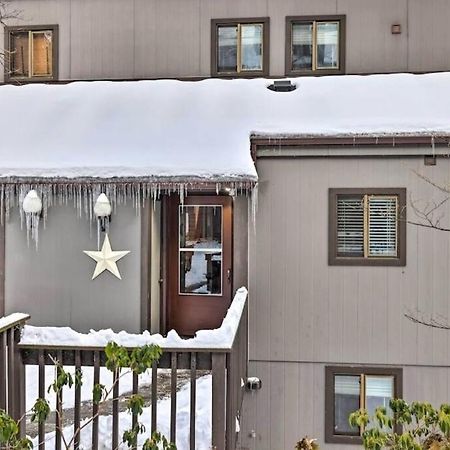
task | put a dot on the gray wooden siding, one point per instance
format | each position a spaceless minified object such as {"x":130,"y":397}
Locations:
{"x":54,"y":285}
{"x":305,"y":314}
{"x":171,"y":38}
{"x":291,"y":403}
{"x":304,"y":310}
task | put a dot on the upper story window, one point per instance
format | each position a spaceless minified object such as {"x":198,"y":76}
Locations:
{"x":32,"y":53}
{"x":240,"y":47}
{"x":348,"y":389}
{"x":315,"y":45}
{"x":367,"y":227}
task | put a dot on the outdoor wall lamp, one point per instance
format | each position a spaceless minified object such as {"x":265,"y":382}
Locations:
{"x":253,"y":384}
{"x":32,"y":204}
{"x":102,"y":209}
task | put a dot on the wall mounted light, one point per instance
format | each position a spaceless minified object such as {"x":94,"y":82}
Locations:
{"x":103,"y":209}
{"x":32,"y":207}
{"x":32,"y":204}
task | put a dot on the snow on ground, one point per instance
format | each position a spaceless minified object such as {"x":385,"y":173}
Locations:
{"x":169,"y":128}
{"x":64,"y":336}
{"x":203,"y":421}
{"x":125,"y":385}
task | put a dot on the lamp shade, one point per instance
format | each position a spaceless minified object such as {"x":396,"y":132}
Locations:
{"x":32,"y":204}
{"x":102,"y":207}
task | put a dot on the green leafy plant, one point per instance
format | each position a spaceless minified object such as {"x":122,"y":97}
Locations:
{"x":118,"y":358}
{"x":415,"y":426}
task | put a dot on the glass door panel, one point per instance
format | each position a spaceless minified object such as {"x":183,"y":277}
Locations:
{"x":200,"y":250}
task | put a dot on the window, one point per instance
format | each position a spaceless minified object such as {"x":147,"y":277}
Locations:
{"x":367,"y":227}
{"x":351,"y":388}
{"x":32,"y":53}
{"x":240,"y":47}
{"x":200,"y":249}
{"x":315,"y":45}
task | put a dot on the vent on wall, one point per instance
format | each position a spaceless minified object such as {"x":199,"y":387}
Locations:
{"x":282,"y":86}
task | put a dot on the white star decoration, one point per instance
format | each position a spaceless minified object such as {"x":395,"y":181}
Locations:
{"x":106,"y":259}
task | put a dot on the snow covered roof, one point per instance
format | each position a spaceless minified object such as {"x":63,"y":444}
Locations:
{"x":167,"y":129}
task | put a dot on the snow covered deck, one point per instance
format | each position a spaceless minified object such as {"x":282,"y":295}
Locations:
{"x":203,"y":414}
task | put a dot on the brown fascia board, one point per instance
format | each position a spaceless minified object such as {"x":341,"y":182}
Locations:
{"x":348,"y":141}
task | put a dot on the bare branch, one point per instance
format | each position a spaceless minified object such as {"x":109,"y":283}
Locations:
{"x":431,"y":322}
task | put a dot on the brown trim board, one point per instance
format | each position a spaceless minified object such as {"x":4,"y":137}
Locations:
{"x":146,"y":263}
{"x":259,"y":142}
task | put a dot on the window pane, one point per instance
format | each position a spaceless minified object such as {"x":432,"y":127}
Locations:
{"x":227,"y":49}
{"x":383,"y":226}
{"x":350,"y":226}
{"x":251,"y":47}
{"x":327,"y":45}
{"x":200,"y":272}
{"x":201,"y":227}
{"x":19,"y":47}
{"x":42,"y":53}
{"x":302,"y":46}
{"x":379,"y":391}
{"x":346,"y":401}
{"x":200,"y":249}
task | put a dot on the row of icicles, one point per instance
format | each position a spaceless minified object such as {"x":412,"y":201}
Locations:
{"x":32,"y":207}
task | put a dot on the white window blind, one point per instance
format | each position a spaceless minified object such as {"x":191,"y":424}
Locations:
{"x":367,"y":226}
{"x":350,"y":226}
{"x":382,"y":226}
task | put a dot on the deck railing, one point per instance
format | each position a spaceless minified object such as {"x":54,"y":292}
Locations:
{"x":12,"y":373}
{"x":226,"y":363}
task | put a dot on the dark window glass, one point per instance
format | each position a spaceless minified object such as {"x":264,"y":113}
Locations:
{"x":252,"y":46}
{"x":227,"y":48}
{"x":200,"y":250}
{"x":19,"y":51}
{"x":327,"y":45}
{"x":346,"y":400}
{"x":302,"y":46}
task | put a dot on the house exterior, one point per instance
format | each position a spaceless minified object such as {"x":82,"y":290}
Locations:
{"x":305,"y":197}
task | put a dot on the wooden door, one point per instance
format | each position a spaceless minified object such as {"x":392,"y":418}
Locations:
{"x":199,"y":271}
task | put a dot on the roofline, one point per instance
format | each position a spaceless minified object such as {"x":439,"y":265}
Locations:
{"x":208,"y":77}
{"x":357,"y":141}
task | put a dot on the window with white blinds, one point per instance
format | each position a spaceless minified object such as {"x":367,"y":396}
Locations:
{"x":351,"y":388}
{"x":315,"y":45}
{"x":367,"y":226}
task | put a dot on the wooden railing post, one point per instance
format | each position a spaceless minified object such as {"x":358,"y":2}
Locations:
{"x":20,"y":386}
{"x":218,"y":401}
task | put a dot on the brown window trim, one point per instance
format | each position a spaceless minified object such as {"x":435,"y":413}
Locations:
{"x":290,"y":20}
{"x":330,"y":372}
{"x":334,"y":260}
{"x":215,"y":23}
{"x":55,"y":55}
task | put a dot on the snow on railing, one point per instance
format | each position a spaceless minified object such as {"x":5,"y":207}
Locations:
{"x":12,"y":320}
{"x":221,"y":338}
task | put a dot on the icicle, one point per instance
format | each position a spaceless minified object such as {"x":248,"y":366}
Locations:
{"x":433,"y":146}
{"x":254,"y":205}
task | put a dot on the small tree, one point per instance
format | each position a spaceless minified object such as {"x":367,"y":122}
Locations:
{"x":138,"y":361}
{"x":415,"y":426}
